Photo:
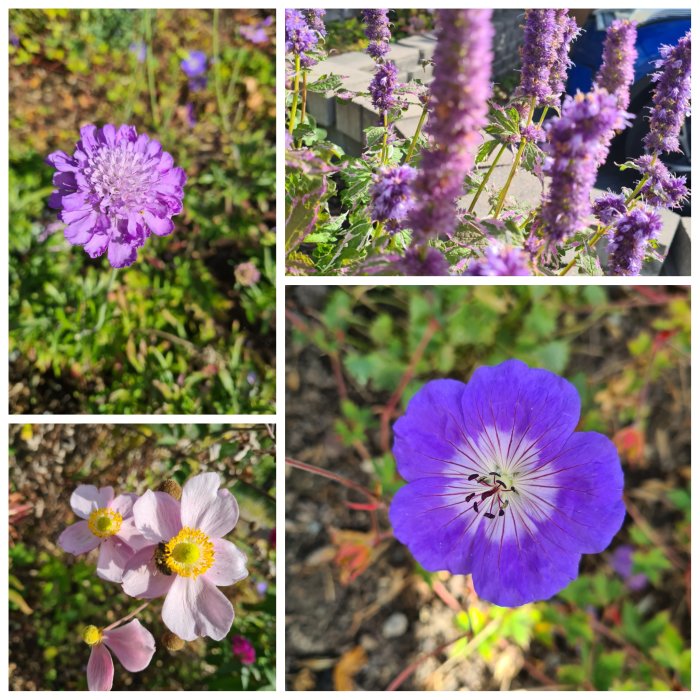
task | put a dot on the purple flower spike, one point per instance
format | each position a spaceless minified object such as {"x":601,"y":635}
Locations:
{"x":383,"y":85}
{"x":300,"y":38}
{"x":629,"y":240}
{"x":501,"y":261}
{"x":458,"y":108}
{"x":661,"y":188}
{"x":115,"y":190}
{"x":391,"y":195}
{"x":578,"y":141}
{"x":566,"y":31}
{"x":616,"y":74}
{"x":421,"y":261}
{"x":377,"y":31}
{"x":609,"y":206}
{"x":500,"y":485}
{"x":538,"y":54}
{"x":671,"y":98}
{"x":315,"y":20}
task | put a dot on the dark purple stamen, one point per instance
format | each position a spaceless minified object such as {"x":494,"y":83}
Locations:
{"x":472,"y":477}
{"x":501,"y":512}
{"x":498,"y":481}
{"x":491,"y":516}
{"x":476,"y":510}
{"x":469,"y":497}
{"x":494,"y":474}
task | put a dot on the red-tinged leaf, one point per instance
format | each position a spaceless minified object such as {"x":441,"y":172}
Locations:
{"x":361,"y":506}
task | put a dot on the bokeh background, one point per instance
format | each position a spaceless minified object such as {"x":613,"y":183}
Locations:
{"x":183,"y":330}
{"x":360,"y":613}
{"x":54,"y":595}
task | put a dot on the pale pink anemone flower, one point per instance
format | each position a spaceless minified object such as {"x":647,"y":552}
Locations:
{"x":132,"y":644}
{"x":108,"y":523}
{"x":187,"y":558}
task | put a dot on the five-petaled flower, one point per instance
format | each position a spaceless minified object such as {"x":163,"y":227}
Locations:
{"x":186,"y":557}
{"x":500,"y":485}
{"x":132,"y":644}
{"x":108,"y":523}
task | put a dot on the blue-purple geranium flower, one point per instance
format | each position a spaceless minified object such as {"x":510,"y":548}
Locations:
{"x":500,"y":485}
{"x":116,"y":189}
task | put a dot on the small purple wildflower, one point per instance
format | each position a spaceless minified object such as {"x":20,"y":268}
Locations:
{"x":138,"y":49}
{"x":256,"y":33}
{"x":662,"y":189}
{"x":392,"y":198}
{"x":261,"y":587}
{"x":377,"y":31}
{"x":671,"y":98}
{"x":421,"y":261}
{"x":499,"y":484}
{"x":629,"y":240}
{"x":315,"y":20}
{"x":566,"y":31}
{"x":609,"y":207}
{"x":383,"y":85}
{"x":195,"y":68}
{"x":621,"y":562}
{"x":300,"y":39}
{"x":247,"y":274}
{"x":616,"y":74}
{"x":500,"y":261}
{"x":578,"y":140}
{"x":115,"y":190}
{"x":243,"y":649}
{"x":458,"y":108}
{"x":538,"y":54}
{"x":531,"y":132}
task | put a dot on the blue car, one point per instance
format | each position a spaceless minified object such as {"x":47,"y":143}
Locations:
{"x":655,"y":28}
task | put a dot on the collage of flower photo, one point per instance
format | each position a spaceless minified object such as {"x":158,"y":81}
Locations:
{"x":228,"y":312}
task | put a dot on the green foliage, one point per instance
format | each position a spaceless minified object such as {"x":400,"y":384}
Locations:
{"x":174,"y":333}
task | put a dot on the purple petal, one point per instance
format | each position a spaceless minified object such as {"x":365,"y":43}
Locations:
{"x":132,"y":644}
{"x":121,"y":254}
{"x":157,"y":516}
{"x":62,"y":161}
{"x":77,"y":539}
{"x":229,"y":564}
{"x":97,"y":245}
{"x":160,"y":226}
{"x":87,"y":498}
{"x":130,"y":535}
{"x":100,"y":669}
{"x":142,"y":579}
{"x":114,"y":555}
{"x":124,"y":504}
{"x":204,"y":508}
{"x":196,"y":608}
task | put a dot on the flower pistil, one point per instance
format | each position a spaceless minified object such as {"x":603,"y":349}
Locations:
{"x":190,"y":553}
{"x":105,"y":522}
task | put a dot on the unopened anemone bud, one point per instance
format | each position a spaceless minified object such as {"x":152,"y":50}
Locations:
{"x":172,"y":488}
{"x":172,"y":642}
{"x":92,"y":635}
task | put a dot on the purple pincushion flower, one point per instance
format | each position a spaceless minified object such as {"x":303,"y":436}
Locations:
{"x":578,"y":141}
{"x":116,"y":189}
{"x":315,"y":20}
{"x":616,"y":74}
{"x":499,"y":484}
{"x":671,"y":98}
{"x":458,"y":107}
{"x":383,"y":85}
{"x":377,"y":31}
{"x":500,"y":261}
{"x":629,"y":240}
{"x":300,"y":39}
{"x":392,"y":198}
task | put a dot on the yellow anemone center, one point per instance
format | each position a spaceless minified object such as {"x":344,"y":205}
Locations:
{"x":190,"y":553}
{"x":92,"y":635}
{"x":104,"y":522}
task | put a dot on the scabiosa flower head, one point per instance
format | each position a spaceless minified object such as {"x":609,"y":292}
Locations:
{"x":377,"y":31}
{"x":671,"y":98}
{"x":566,"y":31}
{"x":500,"y":261}
{"x":300,"y":39}
{"x":629,"y":240}
{"x":499,"y":484}
{"x":315,"y":20}
{"x":115,"y":190}
{"x":458,"y":107}
{"x":187,"y":557}
{"x":621,"y":562}
{"x":391,"y":194}
{"x":420,"y":261}
{"x":247,"y":274}
{"x":106,"y":522}
{"x":577,"y":141}
{"x":132,"y":644}
{"x":662,"y":189}
{"x":257,"y":33}
{"x":383,"y":86}
{"x":616,"y":74}
{"x":609,"y":206}
{"x":243,"y":649}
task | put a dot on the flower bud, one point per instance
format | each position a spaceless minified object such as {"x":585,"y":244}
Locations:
{"x":171,"y":487}
{"x":172,"y":642}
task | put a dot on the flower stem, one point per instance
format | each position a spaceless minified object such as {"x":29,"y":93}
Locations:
{"x":385,"y":148}
{"x":127,"y":617}
{"x":414,"y":140}
{"x":516,"y":163}
{"x":303,"y":97}
{"x":149,"y":66}
{"x":295,"y":96}
{"x":220,"y":101}
{"x":486,"y":177}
